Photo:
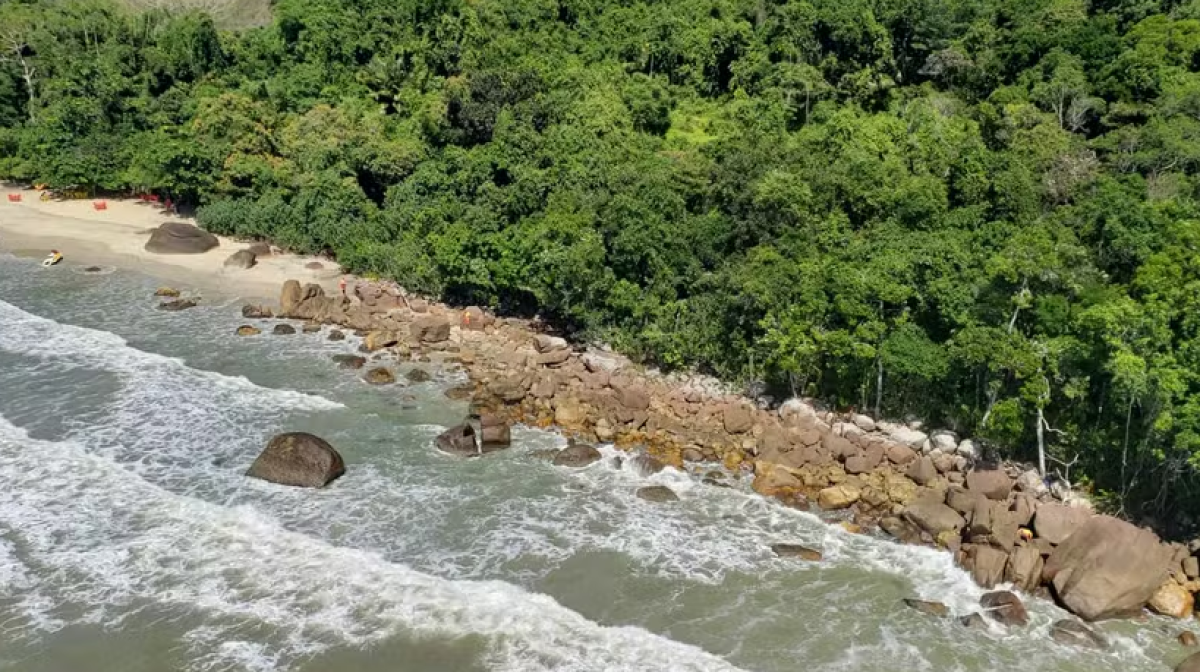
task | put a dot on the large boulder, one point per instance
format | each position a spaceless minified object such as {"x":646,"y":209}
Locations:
{"x":1024,"y":568}
{"x":987,"y":565}
{"x":657,"y":493}
{"x":298,"y":459}
{"x":1107,"y":568}
{"x":495,"y":433}
{"x":922,"y":471}
{"x":838,"y":496}
{"x":1056,"y":522}
{"x":180,"y":238}
{"x":458,"y":440}
{"x":737,"y":419}
{"x":1189,"y":664}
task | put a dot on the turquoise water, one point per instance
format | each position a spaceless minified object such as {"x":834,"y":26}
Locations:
{"x":129,"y":539}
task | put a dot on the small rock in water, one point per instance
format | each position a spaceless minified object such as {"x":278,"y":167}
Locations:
{"x":645,"y":465}
{"x":247,"y":330}
{"x":311,"y":328}
{"x":314,"y":266}
{"x":657,"y":493}
{"x":460,"y":393}
{"x":547,"y":454}
{"x":926,"y":607}
{"x":459,"y":440}
{"x":418,"y":376}
{"x":350,"y":361}
{"x":1005,"y":607}
{"x":298,"y":459}
{"x":1187,"y":638}
{"x":973,"y":622}
{"x":1074,"y":633}
{"x":380,"y":376}
{"x":256,"y":312}
{"x":337,"y":335}
{"x":576,"y":455}
{"x":283,"y":330}
{"x":178,"y":304}
{"x":92,"y":269}
{"x":168,"y":292}
{"x":796,"y":551}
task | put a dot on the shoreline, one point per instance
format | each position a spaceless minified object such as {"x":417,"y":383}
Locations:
{"x":919,"y":487}
{"x":116,"y":236}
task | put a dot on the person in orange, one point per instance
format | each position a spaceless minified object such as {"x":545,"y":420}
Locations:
{"x":342,"y":285}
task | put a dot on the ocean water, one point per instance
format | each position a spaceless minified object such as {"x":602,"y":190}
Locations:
{"x":130,"y":540}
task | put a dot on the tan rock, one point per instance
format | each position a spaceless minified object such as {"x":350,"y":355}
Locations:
{"x":569,"y":413}
{"x":838,"y":497}
{"x":1172,"y":599}
{"x":987,"y":565}
{"x":1024,"y":568}
{"x":737,"y":418}
{"x":247,"y":330}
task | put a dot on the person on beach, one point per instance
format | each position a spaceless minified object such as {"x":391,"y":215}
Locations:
{"x":54,"y":258}
{"x":342,"y":286}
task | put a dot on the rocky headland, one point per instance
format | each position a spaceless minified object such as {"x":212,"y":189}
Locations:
{"x":1001,"y":522}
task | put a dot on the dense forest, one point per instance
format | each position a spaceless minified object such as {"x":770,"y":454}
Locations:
{"x":981,"y":212}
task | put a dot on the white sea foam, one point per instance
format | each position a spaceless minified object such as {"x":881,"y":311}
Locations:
{"x":31,"y":335}
{"x":111,"y":539}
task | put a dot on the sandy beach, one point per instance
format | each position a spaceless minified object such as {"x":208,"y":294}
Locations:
{"x":117,"y":236}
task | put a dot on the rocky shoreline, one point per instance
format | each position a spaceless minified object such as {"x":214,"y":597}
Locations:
{"x":1001,"y":522}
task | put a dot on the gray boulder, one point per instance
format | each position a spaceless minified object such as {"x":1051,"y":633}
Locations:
{"x":298,"y":459}
{"x":657,"y":493}
{"x":180,"y":238}
{"x":576,"y":455}
{"x":1057,"y":522}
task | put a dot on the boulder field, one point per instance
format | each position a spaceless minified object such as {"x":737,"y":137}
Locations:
{"x":1000,"y":521}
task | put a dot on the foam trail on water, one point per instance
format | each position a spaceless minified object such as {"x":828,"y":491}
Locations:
{"x":27,"y":334}
{"x":111,"y":540}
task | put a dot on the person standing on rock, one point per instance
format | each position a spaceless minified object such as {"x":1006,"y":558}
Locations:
{"x":342,"y":286}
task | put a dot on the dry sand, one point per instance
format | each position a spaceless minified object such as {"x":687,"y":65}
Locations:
{"x":117,"y":236}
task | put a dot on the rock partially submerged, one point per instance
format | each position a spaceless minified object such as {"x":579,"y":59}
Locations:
{"x":176,"y":305}
{"x":1074,"y":633}
{"x":350,"y":361}
{"x":459,"y":440}
{"x":298,"y":459}
{"x":796,"y":551}
{"x":927,"y":607}
{"x":242,"y":259}
{"x":380,"y":375}
{"x":657,"y":493}
{"x":577,"y":455}
{"x":247,"y":330}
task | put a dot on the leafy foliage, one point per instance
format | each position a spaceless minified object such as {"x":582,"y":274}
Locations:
{"x":979,"y":212}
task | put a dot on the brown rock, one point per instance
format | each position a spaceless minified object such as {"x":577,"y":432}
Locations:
{"x":1005,"y":607}
{"x":1022,"y":508}
{"x":553,"y":357}
{"x":167,"y":292}
{"x":645,"y":465}
{"x":576,"y":455}
{"x":247,"y":330}
{"x":993,"y":484}
{"x":961,"y":500}
{"x":737,"y":419}
{"x":509,"y":390}
{"x":283,"y":330}
{"x":569,"y":412}
{"x":378,"y":340}
{"x":902,"y":530}
{"x":796,"y":551}
{"x":769,"y":479}
{"x":1187,"y":638}
{"x":632,"y":397}
{"x":900,"y":454}
{"x":176,"y":305}
{"x":1074,"y":633}
{"x":1191,"y":567}
{"x":1172,"y":599}
{"x":474,"y":319}
{"x":431,"y":329}
{"x":290,"y":297}
{"x":380,"y":376}
{"x":987,"y":565}
{"x":925,"y":607}
{"x":298,"y":459}
{"x":934,"y":517}
{"x":865,"y":461}
{"x":242,"y":259}
{"x":922,"y":472}
{"x":1024,"y":568}
{"x":1106,"y":568}
{"x":350,"y":361}
{"x":1056,"y":522}
{"x":838,"y":447}
{"x":494,"y":434}
{"x":417,"y":375}
{"x":252,"y":312}
{"x":657,"y":493}
{"x":337,"y":335}
{"x":838,"y":496}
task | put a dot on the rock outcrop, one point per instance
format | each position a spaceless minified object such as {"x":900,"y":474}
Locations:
{"x":459,"y":440}
{"x":242,"y":259}
{"x":298,"y":459}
